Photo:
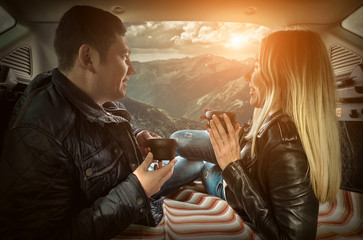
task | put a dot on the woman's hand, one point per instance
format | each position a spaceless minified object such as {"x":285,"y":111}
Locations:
{"x":204,"y":117}
{"x":225,"y":144}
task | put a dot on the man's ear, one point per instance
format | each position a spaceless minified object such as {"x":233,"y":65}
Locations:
{"x":86,"y":58}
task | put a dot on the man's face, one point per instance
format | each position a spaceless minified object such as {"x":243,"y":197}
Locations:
{"x":116,"y":70}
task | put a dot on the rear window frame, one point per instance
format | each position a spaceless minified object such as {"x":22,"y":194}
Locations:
{"x":349,"y":17}
{"x":8,"y":17}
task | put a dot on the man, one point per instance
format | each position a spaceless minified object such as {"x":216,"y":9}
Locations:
{"x":72,"y":165}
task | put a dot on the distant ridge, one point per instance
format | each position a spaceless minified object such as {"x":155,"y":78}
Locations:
{"x":157,"y":120}
{"x":184,"y":87}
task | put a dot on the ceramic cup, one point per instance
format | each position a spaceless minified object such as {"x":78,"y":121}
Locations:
{"x":232,"y":116}
{"x":163,"y":148}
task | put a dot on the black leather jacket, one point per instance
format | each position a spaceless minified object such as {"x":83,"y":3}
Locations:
{"x":272,"y":191}
{"x":66,"y":167}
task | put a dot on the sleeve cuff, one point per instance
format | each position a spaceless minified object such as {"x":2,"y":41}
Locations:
{"x":231,"y":172}
{"x":135,"y":196}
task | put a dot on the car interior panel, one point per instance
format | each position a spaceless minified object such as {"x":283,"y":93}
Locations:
{"x":26,"y":50}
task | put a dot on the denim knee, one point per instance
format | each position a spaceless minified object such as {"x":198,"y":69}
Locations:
{"x":194,"y":145}
{"x":177,"y":134}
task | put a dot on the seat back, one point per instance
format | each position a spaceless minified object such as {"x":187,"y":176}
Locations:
{"x":350,"y":115}
{"x":10,"y":91}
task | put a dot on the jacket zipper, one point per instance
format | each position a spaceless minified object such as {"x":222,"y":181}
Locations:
{"x":137,"y":157}
{"x":133,"y":146}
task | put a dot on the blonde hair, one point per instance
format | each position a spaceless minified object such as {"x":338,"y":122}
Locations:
{"x":296,"y":70}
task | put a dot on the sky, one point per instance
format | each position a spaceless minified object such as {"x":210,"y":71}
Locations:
{"x":164,"y":40}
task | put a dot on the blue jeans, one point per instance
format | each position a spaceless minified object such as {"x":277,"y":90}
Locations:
{"x":195,"y":146}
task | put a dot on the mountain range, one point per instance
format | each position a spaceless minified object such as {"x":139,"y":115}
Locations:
{"x":157,"y":120}
{"x":182,"y":88}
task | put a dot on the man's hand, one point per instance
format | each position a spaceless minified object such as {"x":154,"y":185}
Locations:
{"x":152,"y":181}
{"x":142,"y":138}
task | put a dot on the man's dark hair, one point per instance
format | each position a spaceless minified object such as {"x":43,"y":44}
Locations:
{"x":85,"y":25}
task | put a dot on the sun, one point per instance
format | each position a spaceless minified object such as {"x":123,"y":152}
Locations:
{"x":238,"y":41}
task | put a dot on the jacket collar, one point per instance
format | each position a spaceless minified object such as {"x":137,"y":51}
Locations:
{"x":269,"y":121}
{"x":90,"y":109}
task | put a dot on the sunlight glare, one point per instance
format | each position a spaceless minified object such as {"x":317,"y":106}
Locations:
{"x":238,"y":41}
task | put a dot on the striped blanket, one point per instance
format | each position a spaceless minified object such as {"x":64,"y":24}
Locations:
{"x":192,"y":214}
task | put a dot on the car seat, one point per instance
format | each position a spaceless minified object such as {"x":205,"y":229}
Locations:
{"x":350,"y":115}
{"x":10,"y":91}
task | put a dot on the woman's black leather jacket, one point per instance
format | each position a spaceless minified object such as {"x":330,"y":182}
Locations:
{"x":271,"y":191}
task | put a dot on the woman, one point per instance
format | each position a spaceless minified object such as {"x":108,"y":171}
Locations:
{"x":275,"y":171}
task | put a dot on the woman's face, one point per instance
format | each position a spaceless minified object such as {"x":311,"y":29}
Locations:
{"x":257,"y":88}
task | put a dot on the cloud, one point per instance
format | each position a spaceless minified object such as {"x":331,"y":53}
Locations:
{"x":153,"y":34}
{"x":195,"y":38}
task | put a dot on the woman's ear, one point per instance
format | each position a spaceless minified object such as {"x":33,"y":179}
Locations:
{"x":86,"y":57}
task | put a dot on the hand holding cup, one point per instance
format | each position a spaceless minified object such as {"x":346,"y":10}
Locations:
{"x":163,"y":148}
{"x":231,"y":115}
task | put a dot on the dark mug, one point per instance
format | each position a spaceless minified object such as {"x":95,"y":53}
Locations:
{"x":232,"y":116}
{"x":163,"y":148}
